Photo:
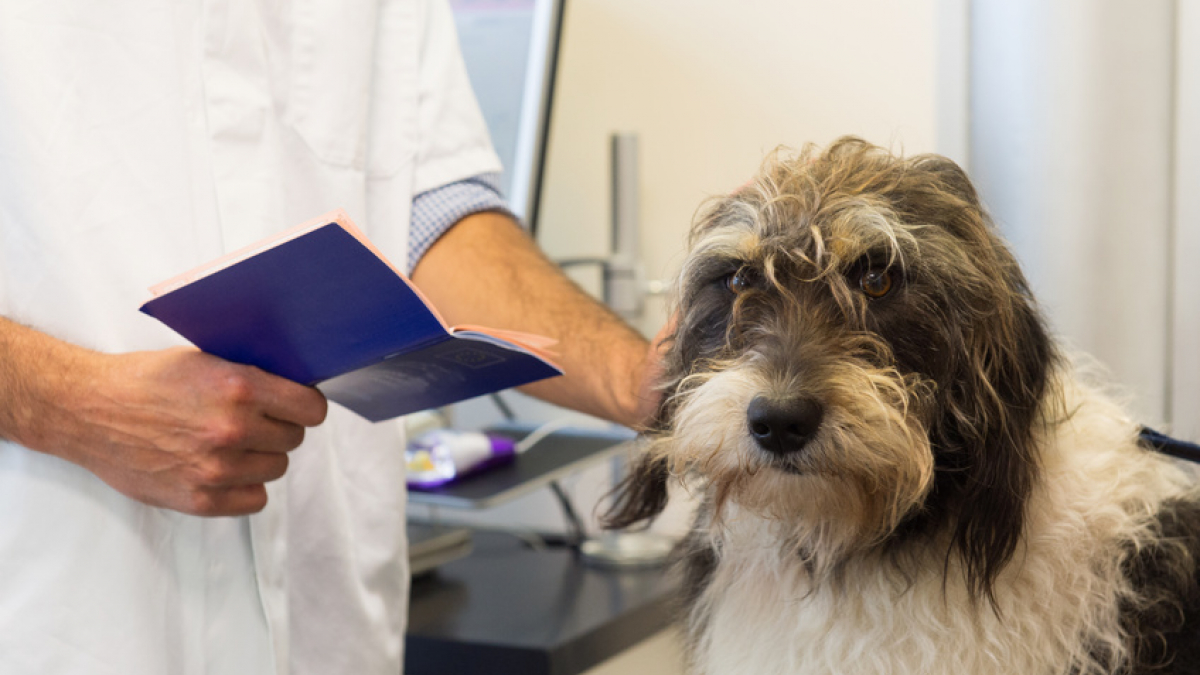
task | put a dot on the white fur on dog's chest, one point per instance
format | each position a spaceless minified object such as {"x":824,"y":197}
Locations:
{"x":1057,"y":600}
{"x":771,"y":626}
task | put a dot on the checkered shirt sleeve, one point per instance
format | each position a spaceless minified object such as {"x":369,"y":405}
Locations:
{"x":436,"y":211}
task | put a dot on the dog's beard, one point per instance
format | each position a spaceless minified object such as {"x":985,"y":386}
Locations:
{"x":867,"y":467}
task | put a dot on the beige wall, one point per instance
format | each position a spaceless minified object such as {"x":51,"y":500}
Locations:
{"x":1084,"y":145}
{"x":1184,"y":398}
{"x":710,"y":86}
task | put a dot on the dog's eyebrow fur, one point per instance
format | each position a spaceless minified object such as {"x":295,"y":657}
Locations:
{"x":720,"y":250}
{"x":818,"y":232}
{"x":858,"y":227}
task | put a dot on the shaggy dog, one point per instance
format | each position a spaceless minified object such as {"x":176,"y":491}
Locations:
{"x":900,"y":471}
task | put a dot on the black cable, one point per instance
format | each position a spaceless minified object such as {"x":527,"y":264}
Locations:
{"x":575,"y":534}
{"x":505,"y":410}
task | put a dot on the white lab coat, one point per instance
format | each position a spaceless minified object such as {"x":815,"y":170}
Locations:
{"x":139,"y":138}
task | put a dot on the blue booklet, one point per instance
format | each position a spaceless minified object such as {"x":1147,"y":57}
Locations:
{"x":318,"y":304}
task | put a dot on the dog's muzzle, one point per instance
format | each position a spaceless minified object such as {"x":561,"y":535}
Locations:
{"x":783,"y":426}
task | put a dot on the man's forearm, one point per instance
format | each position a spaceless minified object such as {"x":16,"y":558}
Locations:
{"x":487,"y":271}
{"x":32,"y":372}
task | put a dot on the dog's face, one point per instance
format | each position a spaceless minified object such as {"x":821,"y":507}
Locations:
{"x":857,"y":358}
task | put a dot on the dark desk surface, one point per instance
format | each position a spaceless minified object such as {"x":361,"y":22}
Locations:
{"x":508,"y":609}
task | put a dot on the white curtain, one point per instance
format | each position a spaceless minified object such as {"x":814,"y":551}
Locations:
{"x":1083,"y":141}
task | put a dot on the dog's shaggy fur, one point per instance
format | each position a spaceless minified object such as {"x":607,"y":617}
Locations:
{"x":901,"y":473}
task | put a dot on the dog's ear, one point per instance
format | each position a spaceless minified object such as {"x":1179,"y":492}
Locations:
{"x":640,"y":496}
{"x":642,"y":493}
{"x":939,"y":191}
{"x":993,"y":377}
{"x":952,"y":177}
{"x":988,"y":432}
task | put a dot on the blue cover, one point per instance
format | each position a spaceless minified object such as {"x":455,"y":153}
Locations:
{"x":323,"y":305}
{"x":439,"y":374}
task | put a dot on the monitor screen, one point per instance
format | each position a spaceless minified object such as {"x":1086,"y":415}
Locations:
{"x":511,"y":49}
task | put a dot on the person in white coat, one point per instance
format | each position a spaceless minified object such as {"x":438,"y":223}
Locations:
{"x":163,"y":511}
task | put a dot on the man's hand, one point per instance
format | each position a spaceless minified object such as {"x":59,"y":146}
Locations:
{"x":650,"y":387}
{"x":190,"y":432}
{"x":176,"y":428}
{"x":486,"y":270}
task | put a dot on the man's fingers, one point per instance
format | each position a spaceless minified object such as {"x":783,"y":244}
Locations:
{"x":287,"y":401}
{"x":240,"y":467}
{"x":262,"y":467}
{"x":236,"y":486}
{"x":270,"y":435}
{"x":233,"y":501}
{"x":236,"y":468}
{"x":267,"y":413}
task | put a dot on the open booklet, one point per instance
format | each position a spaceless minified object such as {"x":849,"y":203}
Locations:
{"x":320,"y":305}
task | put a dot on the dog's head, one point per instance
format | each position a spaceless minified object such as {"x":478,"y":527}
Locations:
{"x":857,"y":358}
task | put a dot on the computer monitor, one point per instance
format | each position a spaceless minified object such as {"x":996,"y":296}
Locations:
{"x":511,"y":51}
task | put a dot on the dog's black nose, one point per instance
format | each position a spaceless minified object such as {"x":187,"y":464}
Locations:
{"x":782,"y":426}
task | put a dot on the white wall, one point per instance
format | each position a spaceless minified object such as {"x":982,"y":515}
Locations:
{"x":711,"y":86}
{"x":1184,"y":375}
{"x":1074,"y":147}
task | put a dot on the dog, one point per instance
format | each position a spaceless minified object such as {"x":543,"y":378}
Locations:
{"x":900,"y":471}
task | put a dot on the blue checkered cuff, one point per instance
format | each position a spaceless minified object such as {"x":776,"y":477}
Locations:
{"x":436,"y":211}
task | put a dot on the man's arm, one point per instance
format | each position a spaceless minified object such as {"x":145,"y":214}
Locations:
{"x":486,"y":270}
{"x":174,"y":428}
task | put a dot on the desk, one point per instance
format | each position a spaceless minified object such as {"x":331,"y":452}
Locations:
{"x":508,"y":609}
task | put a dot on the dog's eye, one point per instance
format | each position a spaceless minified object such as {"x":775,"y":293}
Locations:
{"x":741,"y":280}
{"x":876,"y":282}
